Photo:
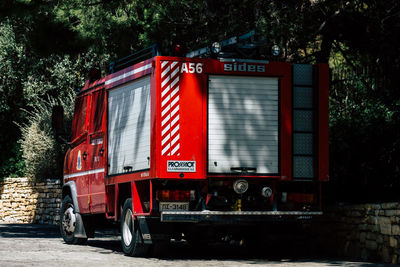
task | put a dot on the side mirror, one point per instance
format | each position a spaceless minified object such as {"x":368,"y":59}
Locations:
{"x":57,"y":123}
{"x":57,"y":118}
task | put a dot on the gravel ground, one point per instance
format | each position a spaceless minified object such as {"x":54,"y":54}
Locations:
{"x":41,"y":245}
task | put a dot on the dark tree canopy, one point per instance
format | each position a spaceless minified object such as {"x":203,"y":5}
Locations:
{"x":47,"y":46}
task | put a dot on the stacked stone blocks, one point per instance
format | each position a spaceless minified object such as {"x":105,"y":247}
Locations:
{"x":364,"y":231}
{"x":24,"y":201}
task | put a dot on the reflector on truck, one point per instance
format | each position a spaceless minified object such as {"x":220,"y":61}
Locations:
{"x":303,"y":122}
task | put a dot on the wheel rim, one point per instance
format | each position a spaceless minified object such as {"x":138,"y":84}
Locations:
{"x":69,"y":220}
{"x":127,"y":228}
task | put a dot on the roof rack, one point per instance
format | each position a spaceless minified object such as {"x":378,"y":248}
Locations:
{"x":136,"y":57}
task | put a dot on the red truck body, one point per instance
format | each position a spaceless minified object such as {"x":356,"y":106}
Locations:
{"x":173,"y":130}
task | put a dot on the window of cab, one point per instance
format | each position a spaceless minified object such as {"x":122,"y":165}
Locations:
{"x":79,"y":120}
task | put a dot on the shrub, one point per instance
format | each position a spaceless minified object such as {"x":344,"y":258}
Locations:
{"x":42,"y":154}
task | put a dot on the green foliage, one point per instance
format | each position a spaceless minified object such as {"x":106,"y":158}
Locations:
{"x":57,"y":76}
{"x":365,"y":140}
{"x":42,"y":154}
{"x":11,"y":64}
{"x":11,"y":97}
{"x":28,"y":78}
{"x":14,"y":166}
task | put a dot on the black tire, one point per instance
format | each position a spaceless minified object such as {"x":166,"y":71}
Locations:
{"x":131,"y":241}
{"x":68,"y":222}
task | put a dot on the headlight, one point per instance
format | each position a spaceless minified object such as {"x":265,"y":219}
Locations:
{"x":240,"y":186}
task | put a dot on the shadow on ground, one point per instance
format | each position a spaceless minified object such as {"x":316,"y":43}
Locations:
{"x":281,"y":251}
{"x":284,"y":248}
{"x":28,"y":231}
{"x":277,"y":251}
{"x":255,"y":254}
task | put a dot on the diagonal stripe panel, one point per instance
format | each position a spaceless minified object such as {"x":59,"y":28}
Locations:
{"x":170,"y":78}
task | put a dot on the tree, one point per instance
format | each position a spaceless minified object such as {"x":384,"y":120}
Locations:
{"x":47,"y":46}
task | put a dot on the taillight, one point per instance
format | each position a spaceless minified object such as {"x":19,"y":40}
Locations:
{"x":173,"y":195}
{"x":299,"y":197}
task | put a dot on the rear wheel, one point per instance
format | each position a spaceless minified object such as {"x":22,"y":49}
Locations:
{"x":68,"y":222}
{"x":132,"y":244}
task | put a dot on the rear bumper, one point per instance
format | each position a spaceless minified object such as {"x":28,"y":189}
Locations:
{"x":229,"y":217}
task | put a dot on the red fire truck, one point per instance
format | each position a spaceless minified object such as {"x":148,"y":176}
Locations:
{"x":175,"y":146}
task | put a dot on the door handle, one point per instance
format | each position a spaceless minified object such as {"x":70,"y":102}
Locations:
{"x":84,"y":155}
{"x":101,"y":151}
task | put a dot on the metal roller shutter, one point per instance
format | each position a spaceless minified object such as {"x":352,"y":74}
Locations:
{"x":243,"y":126}
{"x":129,"y":127}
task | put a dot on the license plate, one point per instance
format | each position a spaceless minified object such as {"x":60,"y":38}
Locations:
{"x":165,"y":206}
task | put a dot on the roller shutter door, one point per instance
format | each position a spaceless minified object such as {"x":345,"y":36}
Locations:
{"x":243,"y":124}
{"x":129,"y":127}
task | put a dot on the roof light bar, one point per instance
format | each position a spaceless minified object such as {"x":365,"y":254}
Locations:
{"x":230,"y":41}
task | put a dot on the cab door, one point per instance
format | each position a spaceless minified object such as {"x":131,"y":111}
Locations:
{"x":96,"y":148}
{"x":78,"y":157}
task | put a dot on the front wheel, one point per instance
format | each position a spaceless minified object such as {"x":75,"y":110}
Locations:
{"x":68,"y":222}
{"x":132,"y":244}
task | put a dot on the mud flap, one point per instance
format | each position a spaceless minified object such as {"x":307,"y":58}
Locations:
{"x":152,"y":231}
{"x":79,"y":227}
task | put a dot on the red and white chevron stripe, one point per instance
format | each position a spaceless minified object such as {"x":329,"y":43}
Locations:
{"x":170,"y":143}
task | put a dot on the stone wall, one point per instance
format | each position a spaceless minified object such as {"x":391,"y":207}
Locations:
{"x":362,"y":232}
{"x":24,"y":201}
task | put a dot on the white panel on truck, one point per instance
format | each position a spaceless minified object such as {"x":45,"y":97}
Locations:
{"x":129,"y":127}
{"x":243,"y":126}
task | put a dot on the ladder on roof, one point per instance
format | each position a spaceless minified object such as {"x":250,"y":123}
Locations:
{"x":136,"y":57}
